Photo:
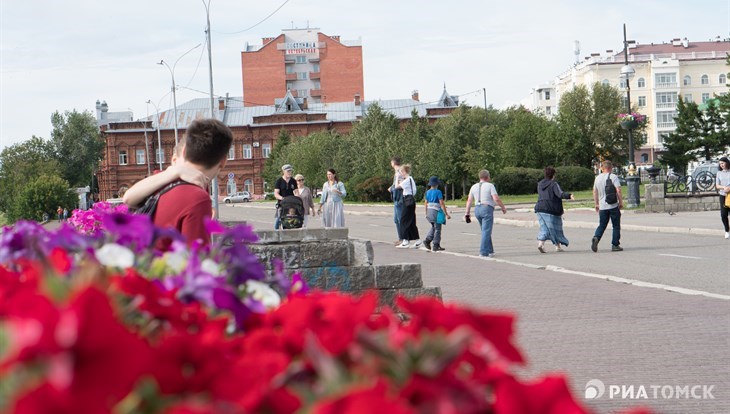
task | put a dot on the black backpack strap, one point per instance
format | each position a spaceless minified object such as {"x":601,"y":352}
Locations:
{"x":150,"y":204}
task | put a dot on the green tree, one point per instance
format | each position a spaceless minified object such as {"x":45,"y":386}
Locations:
{"x":525,"y":141}
{"x":43,"y":195}
{"x":78,"y":145}
{"x":21,"y":164}
{"x":680,"y":142}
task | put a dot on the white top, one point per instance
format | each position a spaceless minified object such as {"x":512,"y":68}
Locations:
{"x":723,"y":178}
{"x":409,"y":186}
{"x":600,"y":185}
{"x":483,"y":197}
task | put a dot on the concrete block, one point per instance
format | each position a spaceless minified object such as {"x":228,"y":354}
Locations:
{"x":387,"y":296}
{"x":351,"y":278}
{"x":325,"y":253}
{"x":406,"y":275}
{"x":361,"y":252}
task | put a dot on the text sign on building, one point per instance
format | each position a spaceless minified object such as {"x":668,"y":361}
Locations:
{"x":301,"y":48}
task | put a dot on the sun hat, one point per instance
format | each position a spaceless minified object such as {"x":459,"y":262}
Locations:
{"x":286,"y":167}
{"x":434,"y":180}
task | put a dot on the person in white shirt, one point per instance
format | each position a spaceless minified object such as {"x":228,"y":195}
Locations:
{"x":607,"y":208}
{"x":483,"y":195}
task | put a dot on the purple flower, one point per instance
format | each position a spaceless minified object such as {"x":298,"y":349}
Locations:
{"x":241,"y":265}
{"x":130,"y":229}
{"x":26,"y":239}
{"x":228,"y":300}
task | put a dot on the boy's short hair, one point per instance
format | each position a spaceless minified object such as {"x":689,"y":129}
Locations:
{"x":207,"y":142}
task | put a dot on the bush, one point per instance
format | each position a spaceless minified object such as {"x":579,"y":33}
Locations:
{"x":373,"y":189}
{"x":514,"y":180}
{"x":574,"y":178}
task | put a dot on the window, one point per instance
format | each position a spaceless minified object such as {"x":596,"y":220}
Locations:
{"x":547,"y":95}
{"x":622,"y":83}
{"x":247,"y":151}
{"x":160,"y":156}
{"x":687,"y":80}
{"x":289,"y":69}
{"x":248,"y":185}
{"x":301,"y":59}
{"x":302,"y":75}
{"x":122,"y":157}
{"x":605,"y":82}
{"x":317,"y":85}
{"x":688,"y":97}
{"x":705,"y":97}
{"x":624,"y":102}
{"x":315,"y":67}
{"x":302,"y":93}
{"x":140,"y":156}
{"x":665,"y":80}
{"x":231,"y":186}
{"x":232,"y":152}
{"x":642,"y":101}
{"x":666,"y":100}
{"x":265,"y":150}
{"x":705,"y":80}
{"x":644,"y":158}
{"x":722,"y":79}
{"x":548,"y":110}
{"x":289,"y":86}
{"x":665,"y":119}
{"x":641,"y":83}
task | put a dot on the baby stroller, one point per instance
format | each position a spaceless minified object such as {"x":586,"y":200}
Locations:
{"x":292,"y":212}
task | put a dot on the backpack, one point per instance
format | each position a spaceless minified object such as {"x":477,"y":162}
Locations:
{"x":611,"y":196}
{"x":150,"y":203}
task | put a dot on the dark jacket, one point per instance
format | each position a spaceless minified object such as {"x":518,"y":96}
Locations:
{"x":549,"y":198}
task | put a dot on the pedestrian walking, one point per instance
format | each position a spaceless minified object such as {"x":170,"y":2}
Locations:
{"x":65,"y":214}
{"x":396,"y":194}
{"x":408,"y":228}
{"x":549,"y":211}
{"x":305,"y":193}
{"x":722,"y":182}
{"x":436,"y":214}
{"x":330,"y":204}
{"x":59,"y":213}
{"x":483,"y":195}
{"x":608,"y":203}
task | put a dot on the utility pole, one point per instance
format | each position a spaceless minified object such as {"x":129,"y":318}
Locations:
{"x":214,"y":182}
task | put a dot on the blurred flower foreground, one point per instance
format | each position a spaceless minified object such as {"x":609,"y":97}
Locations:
{"x":94,"y":320}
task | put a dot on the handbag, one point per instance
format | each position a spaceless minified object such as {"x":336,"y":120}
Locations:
{"x":441,"y":217}
{"x":409,"y":200}
{"x":727,"y":200}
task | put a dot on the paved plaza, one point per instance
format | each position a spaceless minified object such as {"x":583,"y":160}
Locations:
{"x":655,"y":317}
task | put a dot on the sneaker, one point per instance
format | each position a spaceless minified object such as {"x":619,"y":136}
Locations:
{"x":594,"y":244}
{"x":727,"y":234}
{"x":418,"y":244}
{"x":437,"y":249}
{"x":404,"y":245}
{"x":615,"y":248}
{"x":491,"y":255}
{"x":427,"y":244}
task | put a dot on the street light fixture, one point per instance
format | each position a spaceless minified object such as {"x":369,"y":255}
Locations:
{"x":159,"y":141}
{"x":172,"y":74}
{"x":632,"y":180}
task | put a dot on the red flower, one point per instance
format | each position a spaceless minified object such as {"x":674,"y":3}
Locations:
{"x":432,"y":315}
{"x":445,"y":394}
{"x":365,"y":400}
{"x":549,"y":395}
{"x":60,"y":260}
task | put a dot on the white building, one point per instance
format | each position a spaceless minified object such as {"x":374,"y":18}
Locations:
{"x":696,"y":71}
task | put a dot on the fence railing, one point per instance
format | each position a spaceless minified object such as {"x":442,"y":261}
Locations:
{"x":703,"y":182}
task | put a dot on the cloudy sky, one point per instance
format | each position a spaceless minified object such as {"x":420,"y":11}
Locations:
{"x":64,"y":55}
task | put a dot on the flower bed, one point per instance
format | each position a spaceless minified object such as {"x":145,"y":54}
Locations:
{"x":94,"y":320}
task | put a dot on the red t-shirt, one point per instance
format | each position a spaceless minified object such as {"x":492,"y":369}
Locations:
{"x":184,"y":208}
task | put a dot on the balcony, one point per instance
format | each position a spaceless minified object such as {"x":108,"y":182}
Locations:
{"x":666,"y":105}
{"x":313,"y":75}
{"x":666,"y":85}
{"x":666,"y":125}
{"x":291,"y":76}
{"x":315,"y":92}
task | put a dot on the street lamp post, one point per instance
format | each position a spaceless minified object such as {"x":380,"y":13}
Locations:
{"x":174,"y":95}
{"x":632,"y":180}
{"x":159,"y":141}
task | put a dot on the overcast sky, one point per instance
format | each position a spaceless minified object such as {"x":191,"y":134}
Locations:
{"x":64,"y":55}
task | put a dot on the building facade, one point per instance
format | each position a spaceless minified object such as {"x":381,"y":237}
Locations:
{"x":306,"y":62}
{"x":695,"y":71}
{"x":136,"y":149}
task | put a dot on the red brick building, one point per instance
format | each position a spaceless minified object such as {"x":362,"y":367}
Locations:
{"x":132,"y":147}
{"x":306,"y":62}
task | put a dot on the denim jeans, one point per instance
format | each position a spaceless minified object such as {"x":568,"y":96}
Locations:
{"x":614,"y":215}
{"x":485,"y":215}
{"x":397,"y":211}
{"x":434,"y":234}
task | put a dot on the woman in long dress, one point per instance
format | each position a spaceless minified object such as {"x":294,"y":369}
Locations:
{"x":549,"y":211}
{"x":305,"y":194}
{"x":330,"y":204}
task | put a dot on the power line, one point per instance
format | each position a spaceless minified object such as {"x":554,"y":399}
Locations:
{"x":251,"y":27}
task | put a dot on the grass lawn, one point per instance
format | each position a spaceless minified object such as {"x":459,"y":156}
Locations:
{"x":2,"y":220}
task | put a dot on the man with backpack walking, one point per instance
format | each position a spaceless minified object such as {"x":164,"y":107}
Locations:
{"x":608,"y":203}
